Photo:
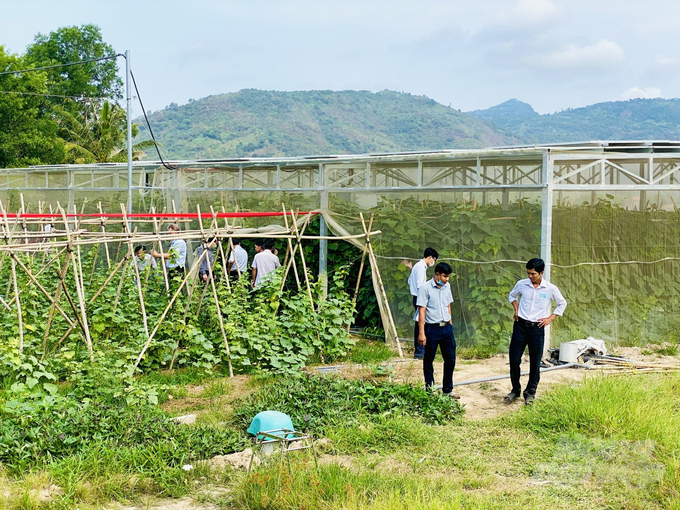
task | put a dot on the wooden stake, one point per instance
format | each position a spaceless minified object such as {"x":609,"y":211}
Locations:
{"x":167,"y":308}
{"x":292,"y":251}
{"x":20,"y":318}
{"x":131,"y":254}
{"x":79,"y":287}
{"x":106,"y":245}
{"x":361,"y":270}
{"x":376,"y":272}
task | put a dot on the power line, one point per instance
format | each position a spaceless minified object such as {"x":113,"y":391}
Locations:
{"x":49,"y":95}
{"x":69,"y":64}
{"x":153,"y":138}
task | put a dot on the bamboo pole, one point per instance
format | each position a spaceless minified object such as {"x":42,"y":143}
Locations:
{"x":290,"y":250}
{"x":42,"y":289}
{"x":304,"y":264}
{"x":131,"y":254}
{"x":57,"y":297}
{"x":106,"y":245}
{"x":92,"y":299}
{"x":167,"y":309}
{"x":8,"y":239}
{"x":220,"y":320}
{"x":160,"y":249}
{"x":376,"y":271}
{"x":80,"y":292}
{"x":361,"y":270}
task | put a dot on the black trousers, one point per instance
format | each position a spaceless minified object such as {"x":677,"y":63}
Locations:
{"x":524,"y":336}
{"x":419,"y":350}
{"x":442,"y":337}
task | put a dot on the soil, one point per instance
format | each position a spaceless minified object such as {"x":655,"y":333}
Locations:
{"x":482,"y":401}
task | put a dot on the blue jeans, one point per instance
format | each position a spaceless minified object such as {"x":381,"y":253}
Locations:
{"x":419,"y":350}
{"x":442,"y":337}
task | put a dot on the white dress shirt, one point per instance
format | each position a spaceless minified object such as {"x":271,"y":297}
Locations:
{"x":241,"y":258}
{"x":534,"y":303}
{"x":417,"y":277}
{"x":265,"y":262}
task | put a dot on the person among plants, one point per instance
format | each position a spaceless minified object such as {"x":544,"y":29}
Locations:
{"x":238,"y":260}
{"x":435,"y":328}
{"x":176,"y":255}
{"x":531,"y":299}
{"x":264,"y":262}
{"x":144,"y":259}
{"x":207,"y":263}
{"x":417,"y":277}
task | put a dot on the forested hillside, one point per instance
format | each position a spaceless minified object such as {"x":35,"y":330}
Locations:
{"x":636,"y":119}
{"x":268,"y":123}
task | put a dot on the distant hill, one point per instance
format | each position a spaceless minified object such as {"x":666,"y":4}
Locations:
{"x":266,"y":123}
{"x":636,"y":119}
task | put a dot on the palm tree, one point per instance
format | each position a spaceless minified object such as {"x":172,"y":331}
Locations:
{"x":99,"y":135}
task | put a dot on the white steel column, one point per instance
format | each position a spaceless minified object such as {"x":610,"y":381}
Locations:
{"x":128,"y":95}
{"x":546,"y":227}
{"x":323,"y":231}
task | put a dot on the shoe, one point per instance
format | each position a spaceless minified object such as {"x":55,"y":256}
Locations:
{"x":510,"y":397}
{"x":529,"y":399}
{"x":452,"y":395}
{"x":419,"y":357}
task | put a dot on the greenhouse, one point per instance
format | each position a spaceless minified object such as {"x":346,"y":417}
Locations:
{"x":603,"y":215}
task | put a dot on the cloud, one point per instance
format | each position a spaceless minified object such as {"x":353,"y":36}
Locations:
{"x":533,"y":11}
{"x":601,"y":55}
{"x":638,"y":93}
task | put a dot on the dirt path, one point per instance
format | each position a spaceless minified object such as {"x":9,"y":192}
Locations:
{"x":485,"y":400}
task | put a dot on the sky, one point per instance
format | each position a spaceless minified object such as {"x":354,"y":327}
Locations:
{"x":552,"y":54}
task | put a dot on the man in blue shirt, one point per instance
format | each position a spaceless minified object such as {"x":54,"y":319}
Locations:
{"x":435,"y":328}
{"x":532,"y":315}
{"x":176,"y":256}
{"x":417,"y":278}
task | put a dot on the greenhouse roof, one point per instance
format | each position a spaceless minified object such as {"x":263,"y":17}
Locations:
{"x":622,"y":164}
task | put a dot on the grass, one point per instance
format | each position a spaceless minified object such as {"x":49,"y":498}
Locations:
{"x":368,"y":352}
{"x":611,"y":442}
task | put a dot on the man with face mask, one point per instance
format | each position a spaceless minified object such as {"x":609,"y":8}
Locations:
{"x":435,"y":328}
{"x":532,"y":315}
{"x":415,"y":281}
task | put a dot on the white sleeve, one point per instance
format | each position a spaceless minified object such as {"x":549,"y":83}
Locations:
{"x":559,"y":301}
{"x":514,"y":293}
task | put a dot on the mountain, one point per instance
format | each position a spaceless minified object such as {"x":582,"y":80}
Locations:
{"x":635,"y":119}
{"x":268,"y":123}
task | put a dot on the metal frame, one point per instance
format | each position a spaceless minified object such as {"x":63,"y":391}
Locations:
{"x":588,"y":166}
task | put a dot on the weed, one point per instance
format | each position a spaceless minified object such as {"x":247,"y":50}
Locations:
{"x":216,"y":389}
{"x":382,"y":370}
{"x":315,"y":402}
{"x":367,"y":352}
{"x":476,"y":352}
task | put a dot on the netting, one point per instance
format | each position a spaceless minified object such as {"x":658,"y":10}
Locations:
{"x":614,"y":253}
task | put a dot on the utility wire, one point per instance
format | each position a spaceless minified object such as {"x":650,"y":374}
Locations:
{"x":148,"y":124}
{"x":62,"y":65}
{"x":49,"y":95}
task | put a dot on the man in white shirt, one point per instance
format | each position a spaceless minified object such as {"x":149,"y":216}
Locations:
{"x":264,"y":263}
{"x":532,"y":315}
{"x":415,"y":280}
{"x":238,"y":260}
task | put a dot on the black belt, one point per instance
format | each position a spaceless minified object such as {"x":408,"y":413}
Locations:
{"x":440,"y":324}
{"x":529,"y":324}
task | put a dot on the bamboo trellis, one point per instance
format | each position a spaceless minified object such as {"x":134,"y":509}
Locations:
{"x":27,"y":234}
